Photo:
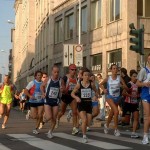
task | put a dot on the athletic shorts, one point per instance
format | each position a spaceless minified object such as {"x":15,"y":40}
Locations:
{"x":67,"y":99}
{"x":85,"y":106}
{"x":94,"y":103}
{"x":115,"y":99}
{"x":36,"y":104}
{"x":129,"y":108}
{"x":52,"y":104}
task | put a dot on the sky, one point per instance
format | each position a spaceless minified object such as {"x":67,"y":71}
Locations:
{"x":6,"y":13}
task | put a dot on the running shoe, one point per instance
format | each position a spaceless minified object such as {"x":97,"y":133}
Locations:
{"x":88,"y":129}
{"x":85,"y":140}
{"x":105,"y":129}
{"x":145,"y":140}
{"x":75,"y":130}
{"x":50,"y":135}
{"x":41,"y":125}
{"x":69,"y":115}
{"x":57,"y":124}
{"x":28,"y":115}
{"x":117,"y":132}
{"x":35,"y":132}
{"x":134,"y":135}
{"x":3,"y":126}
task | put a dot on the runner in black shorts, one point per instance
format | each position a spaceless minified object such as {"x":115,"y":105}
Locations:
{"x":84,"y":100}
{"x":131,"y":104}
{"x":70,"y":82}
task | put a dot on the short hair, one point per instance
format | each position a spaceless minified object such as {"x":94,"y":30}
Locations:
{"x":7,"y":76}
{"x":133,"y":72}
{"x":85,"y":70}
{"x":124,"y":70}
{"x":38,"y":71}
{"x":55,"y":66}
{"x":99,"y":75}
{"x":113,"y":65}
{"x":44,"y":73}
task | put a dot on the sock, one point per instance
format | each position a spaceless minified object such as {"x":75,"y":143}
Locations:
{"x":84,"y":136}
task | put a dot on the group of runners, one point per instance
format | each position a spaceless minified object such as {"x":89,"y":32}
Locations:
{"x":49,"y":97}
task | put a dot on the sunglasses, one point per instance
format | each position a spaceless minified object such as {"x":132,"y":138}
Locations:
{"x":73,"y":69}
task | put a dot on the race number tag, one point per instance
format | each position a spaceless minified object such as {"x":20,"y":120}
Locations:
{"x":38,"y":96}
{"x":71,"y":86}
{"x":134,"y":100}
{"x":53,"y":93}
{"x":86,"y":93}
{"x":114,"y":90}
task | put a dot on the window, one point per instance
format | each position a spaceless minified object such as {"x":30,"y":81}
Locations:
{"x":69,"y":24}
{"x":58,"y":31}
{"x":83,"y":20}
{"x":115,"y":57}
{"x":143,"y":8}
{"x":96,"y":12}
{"x":97,"y":62}
{"x":114,"y":10}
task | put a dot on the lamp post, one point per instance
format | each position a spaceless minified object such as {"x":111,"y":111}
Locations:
{"x":79,"y":40}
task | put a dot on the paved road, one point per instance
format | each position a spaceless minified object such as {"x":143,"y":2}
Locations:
{"x":18,"y":136}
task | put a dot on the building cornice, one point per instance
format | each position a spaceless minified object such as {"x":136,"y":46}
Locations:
{"x":61,"y":4}
{"x":16,"y":4}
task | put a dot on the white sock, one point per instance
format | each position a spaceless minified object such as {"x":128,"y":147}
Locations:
{"x":84,"y":136}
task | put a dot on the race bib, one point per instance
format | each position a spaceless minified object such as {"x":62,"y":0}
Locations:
{"x":38,"y":96}
{"x":71,"y":86}
{"x":85,"y":93}
{"x":53,"y":93}
{"x":114,"y":90}
{"x":134,"y":100}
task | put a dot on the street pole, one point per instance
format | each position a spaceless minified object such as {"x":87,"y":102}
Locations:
{"x":79,"y":40}
{"x":142,"y":42}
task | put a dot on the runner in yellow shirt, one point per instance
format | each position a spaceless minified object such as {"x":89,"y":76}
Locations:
{"x":6,"y":94}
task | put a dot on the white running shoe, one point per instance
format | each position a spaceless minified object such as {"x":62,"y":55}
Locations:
{"x":69,"y":115}
{"x":88,"y":129}
{"x":50,"y":135}
{"x":117,"y":132}
{"x":134,"y":135}
{"x":145,"y":140}
{"x":28,"y":115}
{"x":57,"y":124}
{"x":3,"y":126}
{"x":85,"y":140}
{"x":41,"y":125}
{"x":35,"y":132}
{"x":105,"y":129}
{"x":75,"y":130}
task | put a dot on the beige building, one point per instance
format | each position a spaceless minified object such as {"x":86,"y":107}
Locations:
{"x":104,"y":27}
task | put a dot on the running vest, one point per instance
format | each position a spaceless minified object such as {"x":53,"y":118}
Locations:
{"x":113,"y":86}
{"x":53,"y":91}
{"x":145,"y":93}
{"x":36,"y":92}
{"x":133,"y":91}
{"x":85,"y":93}
{"x":70,"y":84}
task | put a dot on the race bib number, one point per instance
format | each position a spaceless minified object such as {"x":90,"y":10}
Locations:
{"x":71,"y":86}
{"x":134,"y":100}
{"x":53,"y":93}
{"x":114,"y":90}
{"x":38,"y":96}
{"x":85,"y":93}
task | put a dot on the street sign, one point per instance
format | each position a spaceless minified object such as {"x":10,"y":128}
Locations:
{"x":65,"y":56}
{"x":72,"y":54}
{"x":78,"y":55}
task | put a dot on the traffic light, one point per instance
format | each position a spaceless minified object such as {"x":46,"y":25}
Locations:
{"x":137,"y":39}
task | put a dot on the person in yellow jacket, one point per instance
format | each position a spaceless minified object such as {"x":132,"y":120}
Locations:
{"x":6,"y":98}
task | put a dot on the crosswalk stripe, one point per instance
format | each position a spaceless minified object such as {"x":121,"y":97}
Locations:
{"x":104,"y":145}
{"x":2,"y":147}
{"x":39,"y":143}
{"x":108,"y":136}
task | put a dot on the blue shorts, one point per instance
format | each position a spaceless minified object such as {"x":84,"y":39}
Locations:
{"x":94,"y":103}
{"x":145,"y":96}
{"x":115,"y":99}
